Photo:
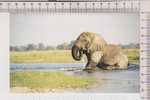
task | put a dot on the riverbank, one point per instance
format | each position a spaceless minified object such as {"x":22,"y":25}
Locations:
{"x":59,"y":56}
{"x":56,"y":71}
{"x":76,"y":81}
{"x":36,"y":81}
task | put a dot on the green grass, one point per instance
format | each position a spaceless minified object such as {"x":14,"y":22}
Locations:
{"x":48,"y":80}
{"x":59,"y":56}
{"x":53,"y":80}
{"x":133,"y":55}
{"x":54,"y":56}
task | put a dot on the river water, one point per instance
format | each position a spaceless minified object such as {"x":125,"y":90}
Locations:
{"x":115,"y":81}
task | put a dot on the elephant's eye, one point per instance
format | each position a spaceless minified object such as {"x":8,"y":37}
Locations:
{"x":84,"y":40}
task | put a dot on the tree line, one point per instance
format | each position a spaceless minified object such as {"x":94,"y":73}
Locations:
{"x":41,"y":46}
{"x":63,"y":46}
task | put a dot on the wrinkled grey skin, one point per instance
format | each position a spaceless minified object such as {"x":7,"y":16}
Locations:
{"x":88,"y":43}
{"x":113,"y":58}
{"x":98,"y":52}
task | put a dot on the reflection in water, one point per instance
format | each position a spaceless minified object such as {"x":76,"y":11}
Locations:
{"x":16,"y":67}
{"x":125,"y":81}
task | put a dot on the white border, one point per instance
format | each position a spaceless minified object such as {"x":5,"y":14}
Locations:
{"x":4,"y":77}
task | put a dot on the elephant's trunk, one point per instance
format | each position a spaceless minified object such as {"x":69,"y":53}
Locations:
{"x":76,"y":53}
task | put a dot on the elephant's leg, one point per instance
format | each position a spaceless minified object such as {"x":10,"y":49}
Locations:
{"x":122,"y":62}
{"x":122,"y":67}
{"x":113,"y":67}
{"x":90,"y":64}
{"x":109,"y":67}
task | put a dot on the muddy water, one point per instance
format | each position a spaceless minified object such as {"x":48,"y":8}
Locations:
{"x":116,"y":81}
{"x":113,"y":81}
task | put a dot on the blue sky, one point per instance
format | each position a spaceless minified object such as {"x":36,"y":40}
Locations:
{"x":59,"y":28}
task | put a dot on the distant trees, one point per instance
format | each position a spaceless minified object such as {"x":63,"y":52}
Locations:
{"x":41,"y":46}
{"x":71,"y":44}
{"x":15,"y":48}
{"x":131,"y":45}
{"x":30,"y":47}
{"x":50,"y":48}
{"x":63,"y":46}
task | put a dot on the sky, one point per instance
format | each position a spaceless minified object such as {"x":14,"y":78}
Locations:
{"x":56,"y":29}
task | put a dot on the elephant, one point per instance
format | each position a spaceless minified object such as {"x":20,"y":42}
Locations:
{"x":98,"y":52}
{"x":113,"y":58}
{"x":88,"y":43}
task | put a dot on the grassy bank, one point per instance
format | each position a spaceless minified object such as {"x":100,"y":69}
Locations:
{"x":59,"y":56}
{"x":133,"y":55}
{"x":51,"y":56}
{"x":40,"y":81}
{"x":36,"y":81}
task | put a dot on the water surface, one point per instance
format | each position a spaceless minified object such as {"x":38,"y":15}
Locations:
{"x":115,"y":81}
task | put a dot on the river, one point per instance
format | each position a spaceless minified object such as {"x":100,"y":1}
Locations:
{"x":116,"y":81}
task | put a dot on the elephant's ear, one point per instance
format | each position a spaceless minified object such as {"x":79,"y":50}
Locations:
{"x":97,"y":43}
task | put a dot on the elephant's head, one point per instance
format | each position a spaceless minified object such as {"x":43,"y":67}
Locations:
{"x":80,"y":45}
{"x":85,"y":43}
{"x":77,"y":53}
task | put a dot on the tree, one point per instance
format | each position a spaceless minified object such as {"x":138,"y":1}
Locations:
{"x":41,"y":46}
{"x":71,"y":44}
{"x":63,"y":46}
{"x":50,"y":48}
{"x":31,"y":47}
{"x":12,"y":48}
{"x":60,"y":47}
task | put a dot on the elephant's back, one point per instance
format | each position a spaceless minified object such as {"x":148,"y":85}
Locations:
{"x":112,"y":50}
